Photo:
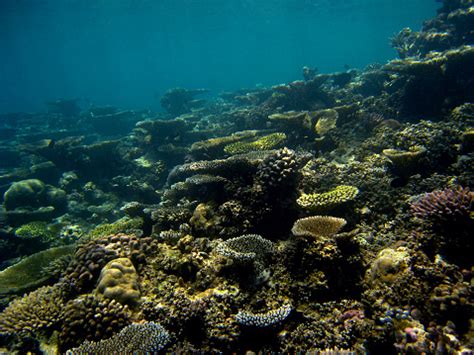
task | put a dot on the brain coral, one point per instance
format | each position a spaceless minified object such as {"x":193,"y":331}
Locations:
{"x":119,"y":281}
{"x":328,"y":200}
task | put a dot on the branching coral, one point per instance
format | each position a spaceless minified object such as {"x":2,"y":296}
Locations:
{"x":445,"y":207}
{"x":136,"y":338}
{"x":91,"y":318}
{"x":38,"y":310}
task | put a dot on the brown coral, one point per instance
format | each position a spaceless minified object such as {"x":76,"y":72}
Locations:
{"x":318,"y":226}
{"x":119,"y":281}
{"x":38,"y":310}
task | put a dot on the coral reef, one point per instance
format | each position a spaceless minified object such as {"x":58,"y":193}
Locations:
{"x":217,"y":226}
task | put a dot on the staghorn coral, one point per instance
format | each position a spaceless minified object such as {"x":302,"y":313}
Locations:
{"x":318,"y":226}
{"x":119,"y":281}
{"x":37,"y":311}
{"x":266,"y":319}
{"x":270,"y":141}
{"x":327,"y":200}
{"x":91,"y":318}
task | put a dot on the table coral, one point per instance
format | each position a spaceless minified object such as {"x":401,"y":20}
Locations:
{"x":327,"y":200}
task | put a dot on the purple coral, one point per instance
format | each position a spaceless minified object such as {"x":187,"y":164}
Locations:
{"x":444,"y":207}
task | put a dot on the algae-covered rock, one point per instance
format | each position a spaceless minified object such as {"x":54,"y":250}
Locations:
{"x":28,"y":273}
{"x":300,"y":119}
{"x":388,"y":264}
{"x":24,"y":193}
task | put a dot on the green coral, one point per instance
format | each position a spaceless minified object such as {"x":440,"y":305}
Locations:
{"x":28,"y":273}
{"x":264,"y":143}
{"x":39,"y":230}
{"x":122,"y":225}
{"x":327,"y":200}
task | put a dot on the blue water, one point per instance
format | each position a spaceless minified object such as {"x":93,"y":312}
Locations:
{"x":128,"y":52}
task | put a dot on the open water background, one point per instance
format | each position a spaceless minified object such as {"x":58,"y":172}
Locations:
{"x":127,"y":53}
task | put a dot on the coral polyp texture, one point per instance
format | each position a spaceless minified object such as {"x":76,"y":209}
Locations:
{"x":326,"y":200}
{"x":329,"y":213}
{"x":318,"y":226}
{"x":445,"y":207}
{"x":143,"y":338}
{"x":245,"y":247}
{"x":264,"y":143}
{"x":37,"y":311}
{"x":266,"y":319}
